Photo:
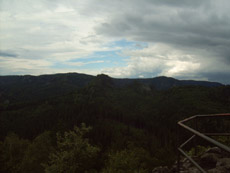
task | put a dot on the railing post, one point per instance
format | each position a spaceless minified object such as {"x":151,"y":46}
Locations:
{"x":178,"y":161}
{"x":195,"y":139}
{"x":178,"y":152}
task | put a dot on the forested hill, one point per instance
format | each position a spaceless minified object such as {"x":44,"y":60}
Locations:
{"x":163,"y":83}
{"x":132,"y":121}
{"x":18,"y":88}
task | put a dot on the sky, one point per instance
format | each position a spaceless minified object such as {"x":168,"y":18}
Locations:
{"x":184,"y":39}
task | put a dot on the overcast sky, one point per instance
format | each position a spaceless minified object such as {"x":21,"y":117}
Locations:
{"x":185,"y":39}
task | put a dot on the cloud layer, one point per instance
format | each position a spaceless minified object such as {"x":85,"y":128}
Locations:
{"x":187,"y":39}
{"x":184,"y":39}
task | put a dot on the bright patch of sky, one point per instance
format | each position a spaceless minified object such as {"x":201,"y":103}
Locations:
{"x":124,"y":44}
{"x":104,"y":59}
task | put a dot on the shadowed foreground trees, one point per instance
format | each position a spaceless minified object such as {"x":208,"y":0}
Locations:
{"x":131,"y":160}
{"x":12,"y":150}
{"x":73,"y":153}
{"x":70,"y":152}
{"x":20,"y":155}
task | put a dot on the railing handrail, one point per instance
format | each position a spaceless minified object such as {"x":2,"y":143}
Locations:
{"x":201,"y":135}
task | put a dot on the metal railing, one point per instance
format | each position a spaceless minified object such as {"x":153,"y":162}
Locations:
{"x":196,"y":134}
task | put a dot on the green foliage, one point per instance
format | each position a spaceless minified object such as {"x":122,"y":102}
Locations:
{"x":133,"y":160}
{"x":38,"y":153}
{"x":197,"y":151}
{"x":12,"y":151}
{"x":120,"y":114}
{"x":223,"y":139}
{"x":73,"y":153}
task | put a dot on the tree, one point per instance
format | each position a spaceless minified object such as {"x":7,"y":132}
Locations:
{"x":12,"y":150}
{"x":38,"y":153}
{"x":73,"y":153}
{"x":132,"y":160}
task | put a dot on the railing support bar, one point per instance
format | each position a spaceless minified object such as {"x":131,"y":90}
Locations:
{"x":222,"y":146}
{"x":191,"y":160}
{"x":182,"y":145}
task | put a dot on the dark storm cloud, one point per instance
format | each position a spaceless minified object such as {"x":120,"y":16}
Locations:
{"x":185,"y":26}
{"x":200,"y":26}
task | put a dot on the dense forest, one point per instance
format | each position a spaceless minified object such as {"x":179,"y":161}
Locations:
{"x":81,"y":123}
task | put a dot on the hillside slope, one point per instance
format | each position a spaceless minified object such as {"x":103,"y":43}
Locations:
{"x":133,"y":123}
{"x":29,"y":88}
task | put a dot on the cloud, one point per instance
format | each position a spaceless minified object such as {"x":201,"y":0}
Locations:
{"x":83,"y":63}
{"x":7,"y":54}
{"x":154,"y":60}
{"x":202,"y":25}
{"x":47,"y":27}
{"x":195,"y":32}
{"x":21,"y":66}
{"x":165,"y":60}
{"x":39,"y":66}
{"x":183,"y":38}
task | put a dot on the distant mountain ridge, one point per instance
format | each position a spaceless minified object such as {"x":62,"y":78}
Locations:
{"x":168,"y":82}
{"x":81,"y":80}
{"x":28,"y":87}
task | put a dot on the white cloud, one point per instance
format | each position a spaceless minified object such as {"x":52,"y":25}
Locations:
{"x":82,"y":63}
{"x":180,"y":68}
{"x":48,"y":28}
{"x":157,"y":59}
{"x":38,"y":67}
{"x":20,"y":65}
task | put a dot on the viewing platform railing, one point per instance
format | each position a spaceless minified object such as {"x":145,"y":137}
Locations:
{"x":197,"y":134}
